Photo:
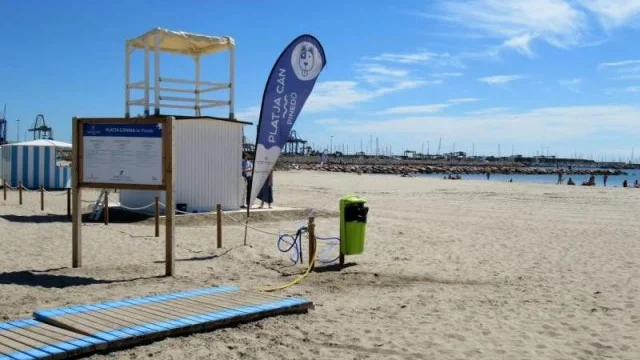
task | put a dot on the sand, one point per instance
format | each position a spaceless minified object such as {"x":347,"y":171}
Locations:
{"x":452,"y":270}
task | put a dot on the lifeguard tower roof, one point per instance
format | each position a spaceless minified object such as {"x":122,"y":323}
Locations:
{"x":180,"y":42}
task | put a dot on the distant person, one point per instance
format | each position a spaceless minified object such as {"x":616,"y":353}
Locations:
{"x":590,"y":182}
{"x":323,"y":158}
{"x":636,"y":184}
{"x":559,"y":177}
{"x":266,"y":193}
{"x":488,"y":175}
{"x":570,"y":181}
{"x":247,"y":168}
{"x":604,"y":179}
{"x":625,"y":183}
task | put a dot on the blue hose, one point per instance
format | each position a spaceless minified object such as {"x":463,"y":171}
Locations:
{"x":294,"y":242}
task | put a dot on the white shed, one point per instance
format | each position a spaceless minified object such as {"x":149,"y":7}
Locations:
{"x":208,"y":166}
{"x":36,"y":163}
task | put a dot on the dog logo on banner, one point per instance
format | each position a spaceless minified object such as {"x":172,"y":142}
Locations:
{"x":306,"y":61}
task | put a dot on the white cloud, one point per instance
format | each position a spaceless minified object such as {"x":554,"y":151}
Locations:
{"x":249,"y":114}
{"x":421,"y":57}
{"x":415,"y":109}
{"x":463,"y":100}
{"x":613,"y":13}
{"x":573,"y":85}
{"x":445,"y":75}
{"x":519,"y":23}
{"x":332,"y":95}
{"x":375,"y":73}
{"x":487,"y":111}
{"x":434,"y":82}
{"x":618,"y":64}
{"x":500,"y":79}
{"x":520,"y":43}
{"x":383,"y":71}
{"x":371,"y":81}
{"x":535,"y":126}
{"x":623,"y":70}
{"x":632,"y":89}
{"x":327,"y":121}
{"x":426,"y":108}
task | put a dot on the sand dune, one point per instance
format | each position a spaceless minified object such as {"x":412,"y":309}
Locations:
{"x":451,"y":270}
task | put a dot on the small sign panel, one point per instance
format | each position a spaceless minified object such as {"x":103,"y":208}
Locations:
{"x":122,"y":154}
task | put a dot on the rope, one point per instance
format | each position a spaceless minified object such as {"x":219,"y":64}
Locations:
{"x":186,"y":212}
{"x":27,"y":190}
{"x":136,"y":209}
{"x":56,"y":193}
{"x":250,"y":227}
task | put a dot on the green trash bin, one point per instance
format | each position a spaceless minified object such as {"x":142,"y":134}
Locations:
{"x":353,"y":224}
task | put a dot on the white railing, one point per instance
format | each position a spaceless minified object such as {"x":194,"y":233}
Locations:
{"x":164,"y":96}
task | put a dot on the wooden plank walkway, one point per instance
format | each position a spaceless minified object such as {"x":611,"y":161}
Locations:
{"x":129,"y":322}
{"x":30,"y":339}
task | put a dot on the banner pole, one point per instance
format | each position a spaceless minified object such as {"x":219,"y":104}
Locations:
{"x":249,"y":188}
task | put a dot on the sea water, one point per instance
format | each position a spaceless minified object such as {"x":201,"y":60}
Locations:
{"x":612,"y":181}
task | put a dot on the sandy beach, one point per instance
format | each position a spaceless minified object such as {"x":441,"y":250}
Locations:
{"x":451,"y":270}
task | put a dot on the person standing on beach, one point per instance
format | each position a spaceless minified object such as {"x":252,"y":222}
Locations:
{"x":247,"y":166}
{"x":604,"y":180}
{"x":266,"y":193}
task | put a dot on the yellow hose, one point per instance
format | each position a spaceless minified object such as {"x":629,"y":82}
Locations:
{"x":300,"y":278}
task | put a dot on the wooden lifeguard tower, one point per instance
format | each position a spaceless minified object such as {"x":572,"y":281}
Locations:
{"x":196,"y":46}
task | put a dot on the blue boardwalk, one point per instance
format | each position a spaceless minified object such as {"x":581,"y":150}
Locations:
{"x":129,"y":322}
{"x":30,"y":339}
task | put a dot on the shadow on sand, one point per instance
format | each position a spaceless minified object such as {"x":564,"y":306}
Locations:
{"x":116,"y":216}
{"x":332,"y":268}
{"x":43,"y":279}
{"x":202,"y":258}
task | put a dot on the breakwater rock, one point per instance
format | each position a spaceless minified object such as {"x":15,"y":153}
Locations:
{"x":408,"y":170}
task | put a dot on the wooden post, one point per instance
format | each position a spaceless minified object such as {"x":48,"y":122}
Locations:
{"x":157,"y":216}
{"x":105,"y":208}
{"x":69,"y":202}
{"x":219,"y":225}
{"x":41,"y":198}
{"x":311,"y":228}
{"x":20,"y":191}
{"x":170,"y":186}
{"x":76,"y":214}
{"x":4,"y":189}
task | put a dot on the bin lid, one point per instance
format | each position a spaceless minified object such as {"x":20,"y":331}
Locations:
{"x":353,"y":199}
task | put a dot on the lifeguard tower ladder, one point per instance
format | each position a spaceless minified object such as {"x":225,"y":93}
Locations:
{"x":160,"y":40}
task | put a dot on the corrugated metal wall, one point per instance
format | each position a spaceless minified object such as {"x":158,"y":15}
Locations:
{"x":34,"y":166}
{"x":208,"y":161}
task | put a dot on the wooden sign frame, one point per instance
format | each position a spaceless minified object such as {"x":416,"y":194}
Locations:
{"x":167,"y":184}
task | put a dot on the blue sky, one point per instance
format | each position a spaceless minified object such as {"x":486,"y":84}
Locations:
{"x":561,"y":76}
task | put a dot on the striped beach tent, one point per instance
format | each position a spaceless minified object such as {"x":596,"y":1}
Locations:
{"x":34,"y":164}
